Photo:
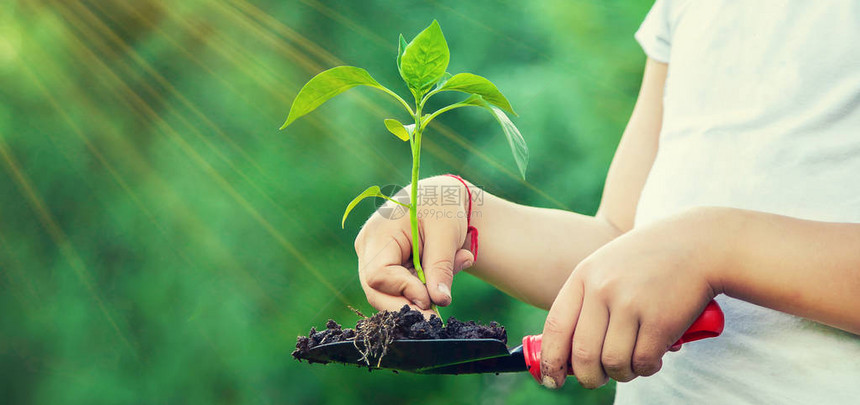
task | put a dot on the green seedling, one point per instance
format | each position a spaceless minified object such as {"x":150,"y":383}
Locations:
{"x":423,"y":65}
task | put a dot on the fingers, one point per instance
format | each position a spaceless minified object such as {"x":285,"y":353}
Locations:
{"x":396,"y":280}
{"x":385,"y":302}
{"x":649,"y":351}
{"x":588,"y":344}
{"x":617,"y":356}
{"x":558,"y":333}
{"x":442,"y":241}
{"x":381,"y":273}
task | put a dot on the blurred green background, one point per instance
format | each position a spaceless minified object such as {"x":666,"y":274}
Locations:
{"x":162,"y":242}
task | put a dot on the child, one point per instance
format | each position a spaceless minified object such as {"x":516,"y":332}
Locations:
{"x":738,"y":177}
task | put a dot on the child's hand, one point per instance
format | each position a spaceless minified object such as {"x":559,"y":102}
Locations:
{"x":629,"y":301}
{"x":384,"y":248}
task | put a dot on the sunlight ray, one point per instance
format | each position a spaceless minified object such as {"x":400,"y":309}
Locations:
{"x":90,"y":146}
{"x":287,"y":49}
{"x":258,"y":189}
{"x":19,"y":284}
{"x":97,"y":153}
{"x":228,"y":188}
{"x":310,"y":67}
{"x":292,"y":53}
{"x":248,"y":180}
{"x":134,"y":101}
{"x":58,"y":236}
{"x":194,"y":224}
{"x":287,"y":32}
{"x":287,"y":216}
{"x":124,"y":48}
{"x":495,"y":32}
{"x":334,"y":15}
{"x":238,"y":61}
{"x":175,"y":43}
{"x":238,"y":56}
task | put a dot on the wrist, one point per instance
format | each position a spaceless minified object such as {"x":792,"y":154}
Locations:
{"x":717,"y":235}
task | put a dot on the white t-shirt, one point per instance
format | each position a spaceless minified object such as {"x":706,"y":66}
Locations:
{"x":761,"y":112}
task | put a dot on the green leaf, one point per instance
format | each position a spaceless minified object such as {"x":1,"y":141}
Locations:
{"x":396,"y":128}
{"x":425,"y":59}
{"x":515,"y":139}
{"x":401,"y":47}
{"x":326,"y":85}
{"x":442,"y":80}
{"x":372,"y":191}
{"x":474,"y":84}
{"x":475,"y":100}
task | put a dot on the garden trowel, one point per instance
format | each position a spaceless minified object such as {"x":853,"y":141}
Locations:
{"x":470,"y":356}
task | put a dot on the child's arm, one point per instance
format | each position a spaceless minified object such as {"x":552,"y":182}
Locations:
{"x":528,"y":252}
{"x":805,"y":268}
{"x":630,"y":300}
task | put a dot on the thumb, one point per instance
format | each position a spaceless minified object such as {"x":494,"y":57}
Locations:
{"x":442,"y":259}
{"x":463,"y":260}
{"x":440,"y":278}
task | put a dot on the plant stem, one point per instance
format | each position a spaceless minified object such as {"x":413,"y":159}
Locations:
{"x":413,"y":199}
{"x":413,"y":205}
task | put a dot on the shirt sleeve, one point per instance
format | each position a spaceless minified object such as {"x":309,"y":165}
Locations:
{"x":654,"y":35}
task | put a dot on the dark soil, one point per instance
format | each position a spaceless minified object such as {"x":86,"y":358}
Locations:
{"x":373,"y":335}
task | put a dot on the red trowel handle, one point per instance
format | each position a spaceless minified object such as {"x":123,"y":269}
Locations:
{"x":709,"y":324}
